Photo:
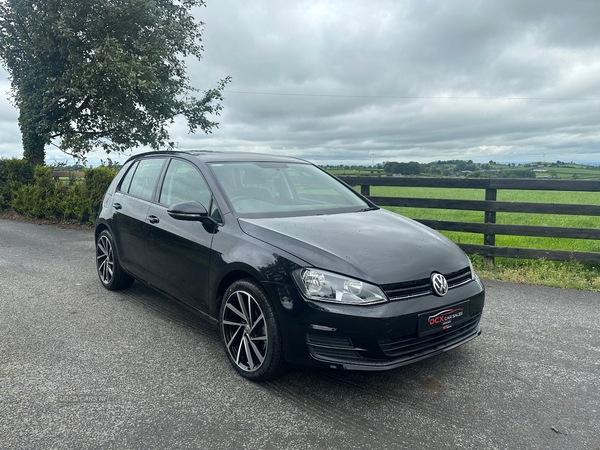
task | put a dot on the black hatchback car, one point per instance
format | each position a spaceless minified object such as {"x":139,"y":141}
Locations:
{"x":290,"y":263}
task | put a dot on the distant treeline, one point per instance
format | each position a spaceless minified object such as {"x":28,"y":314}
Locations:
{"x":470,"y":169}
{"x":456,"y":168}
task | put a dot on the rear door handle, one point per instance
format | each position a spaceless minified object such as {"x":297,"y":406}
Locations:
{"x":153,"y":219}
{"x":117,"y":205}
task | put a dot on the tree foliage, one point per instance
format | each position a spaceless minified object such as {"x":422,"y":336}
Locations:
{"x":14,"y":173}
{"x":409,"y":168}
{"x":104,"y":74}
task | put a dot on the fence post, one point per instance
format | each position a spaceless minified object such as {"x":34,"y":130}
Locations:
{"x":490,"y":217}
{"x":365,"y":190}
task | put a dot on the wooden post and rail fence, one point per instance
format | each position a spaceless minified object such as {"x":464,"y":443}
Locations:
{"x":491,"y":206}
{"x":67,"y":174}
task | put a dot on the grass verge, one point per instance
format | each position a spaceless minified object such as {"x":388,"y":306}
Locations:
{"x":566,"y":275}
{"x":61,"y":223}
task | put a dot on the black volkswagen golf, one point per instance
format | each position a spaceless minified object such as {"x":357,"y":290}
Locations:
{"x":290,"y":263}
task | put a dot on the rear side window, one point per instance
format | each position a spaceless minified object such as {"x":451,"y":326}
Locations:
{"x":145,"y":177}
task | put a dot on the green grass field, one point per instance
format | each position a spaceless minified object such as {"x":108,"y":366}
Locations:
{"x":571,"y":275}
{"x":505,"y":218}
{"x":572,"y":173}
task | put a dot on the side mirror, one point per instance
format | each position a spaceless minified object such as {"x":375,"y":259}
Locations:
{"x":191,"y":211}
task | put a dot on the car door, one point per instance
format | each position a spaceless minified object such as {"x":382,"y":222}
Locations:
{"x":130,"y":203}
{"x":178,"y":251}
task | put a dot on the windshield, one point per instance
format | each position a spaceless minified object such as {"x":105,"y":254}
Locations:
{"x":256,"y":189}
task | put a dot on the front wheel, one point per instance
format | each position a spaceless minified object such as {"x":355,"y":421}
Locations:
{"x":111,"y":274}
{"x":250,"y":331}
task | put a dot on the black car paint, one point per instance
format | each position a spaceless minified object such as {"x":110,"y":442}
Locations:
{"x":195,"y":262}
{"x":352,"y":244}
{"x":178,"y":256}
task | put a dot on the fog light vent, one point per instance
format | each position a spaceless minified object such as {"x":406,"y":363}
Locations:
{"x":332,"y":349}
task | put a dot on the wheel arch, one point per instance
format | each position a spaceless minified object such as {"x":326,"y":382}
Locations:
{"x":100,"y":227}
{"x":236,"y":273}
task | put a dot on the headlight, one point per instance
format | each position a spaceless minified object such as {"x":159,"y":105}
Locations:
{"x":473,"y":274}
{"x":324,"y":286}
{"x":472,"y":270}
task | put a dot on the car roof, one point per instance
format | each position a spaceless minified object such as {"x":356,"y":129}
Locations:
{"x":220,"y":156}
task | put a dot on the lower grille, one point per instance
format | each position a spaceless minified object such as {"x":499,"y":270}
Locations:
{"x":413,"y":347}
{"x":332,"y":349}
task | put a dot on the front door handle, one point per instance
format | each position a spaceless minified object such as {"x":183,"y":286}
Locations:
{"x":153,"y":219}
{"x":117,"y":205}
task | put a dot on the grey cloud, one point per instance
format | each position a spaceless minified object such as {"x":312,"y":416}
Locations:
{"x":417,"y":48}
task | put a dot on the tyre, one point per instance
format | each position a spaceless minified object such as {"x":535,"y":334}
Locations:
{"x":250,"y":331}
{"x":111,"y":274}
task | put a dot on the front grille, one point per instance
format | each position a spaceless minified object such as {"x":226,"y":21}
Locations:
{"x":413,"y":347}
{"x":459,"y":277}
{"x":417,"y":288}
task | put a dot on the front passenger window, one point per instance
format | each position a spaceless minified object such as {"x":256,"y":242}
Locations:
{"x":183,"y":183}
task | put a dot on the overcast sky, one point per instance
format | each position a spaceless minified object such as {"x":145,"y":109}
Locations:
{"x":355,"y":81}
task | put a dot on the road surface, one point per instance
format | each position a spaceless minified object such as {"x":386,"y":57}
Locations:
{"x":81,"y":367}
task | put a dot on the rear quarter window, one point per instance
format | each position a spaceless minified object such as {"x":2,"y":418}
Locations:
{"x":126,"y":181}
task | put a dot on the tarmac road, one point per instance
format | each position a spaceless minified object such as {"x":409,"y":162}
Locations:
{"x":81,"y":367}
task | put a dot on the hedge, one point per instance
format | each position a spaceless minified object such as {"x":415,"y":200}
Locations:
{"x":34,"y":192}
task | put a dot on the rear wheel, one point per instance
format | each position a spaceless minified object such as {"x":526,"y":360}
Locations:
{"x":111,"y":274}
{"x":250,"y":331}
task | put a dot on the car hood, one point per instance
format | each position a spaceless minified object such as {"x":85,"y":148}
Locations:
{"x":376,"y":246}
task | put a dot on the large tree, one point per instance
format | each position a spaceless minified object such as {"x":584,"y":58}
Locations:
{"x":104,"y":74}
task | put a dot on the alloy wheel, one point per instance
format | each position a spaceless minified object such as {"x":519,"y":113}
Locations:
{"x":245,"y":331}
{"x":105,"y":259}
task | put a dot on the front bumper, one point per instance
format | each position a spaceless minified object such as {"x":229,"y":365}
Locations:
{"x":377,"y":337}
{"x":398,"y":352}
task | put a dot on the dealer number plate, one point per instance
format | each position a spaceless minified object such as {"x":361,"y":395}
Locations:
{"x":443,"y":319}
